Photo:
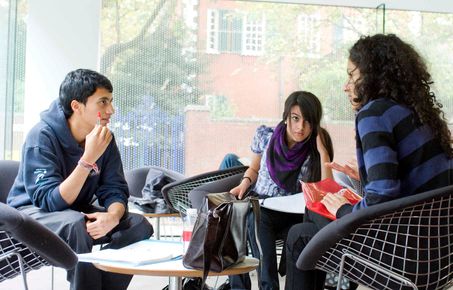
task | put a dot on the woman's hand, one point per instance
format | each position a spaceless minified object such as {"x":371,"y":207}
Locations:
{"x":250,"y":176}
{"x":241,"y":189}
{"x":333,"y":201}
{"x":350,"y":169}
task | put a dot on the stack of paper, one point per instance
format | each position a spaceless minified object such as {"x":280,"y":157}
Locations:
{"x":140,"y":253}
{"x":291,"y":203}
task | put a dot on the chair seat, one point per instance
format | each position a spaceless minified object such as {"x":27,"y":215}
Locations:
{"x":400,"y":244}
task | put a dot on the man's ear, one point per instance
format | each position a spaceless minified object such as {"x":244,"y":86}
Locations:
{"x":75,"y":106}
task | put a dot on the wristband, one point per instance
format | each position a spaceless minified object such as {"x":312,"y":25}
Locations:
{"x":246,"y":177}
{"x":88,"y":166}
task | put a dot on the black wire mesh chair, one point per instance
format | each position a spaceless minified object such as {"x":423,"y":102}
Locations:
{"x":406,"y":243}
{"x":136,"y":178}
{"x":27,"y":245}
{"x":176,"y":193}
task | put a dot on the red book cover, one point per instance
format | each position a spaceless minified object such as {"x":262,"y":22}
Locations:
{"x":314,"y":192}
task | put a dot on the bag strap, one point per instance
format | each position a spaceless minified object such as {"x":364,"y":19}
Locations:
{"x":257,"y":213}
{"x":213,"y":222}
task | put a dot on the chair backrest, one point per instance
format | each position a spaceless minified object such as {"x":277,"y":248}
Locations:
{"x":136,"y":178}
{"x":176,"y":193}
{"x":411,"y":237}
{"x":36,"y":245}
{"x":8,"y":172}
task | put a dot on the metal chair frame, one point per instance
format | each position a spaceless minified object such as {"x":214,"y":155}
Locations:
{"x":17,"y":253}
{"x":176,"y":193}
{"x":405,"y":243}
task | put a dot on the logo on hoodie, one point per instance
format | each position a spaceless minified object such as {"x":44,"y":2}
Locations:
{"x":40,"y":173}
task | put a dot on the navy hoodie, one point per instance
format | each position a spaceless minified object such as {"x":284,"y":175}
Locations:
{"x":49,"y":155}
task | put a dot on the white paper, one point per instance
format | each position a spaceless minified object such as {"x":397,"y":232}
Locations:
{"x":140,"y":253}
{"x":291,"y":203}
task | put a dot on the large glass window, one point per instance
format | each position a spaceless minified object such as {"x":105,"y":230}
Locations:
{"x":4,"y":8}
{"x":12,"y":75}
{"x":193,"y":79}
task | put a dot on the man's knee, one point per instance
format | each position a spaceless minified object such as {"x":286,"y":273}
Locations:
{"x":73,"y":230}
{"x":140,"y":226}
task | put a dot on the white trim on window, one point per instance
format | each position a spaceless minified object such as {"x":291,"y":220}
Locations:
{"x":212,"y":31}
{"x":251,"y":33}
{"x":308,"y":26}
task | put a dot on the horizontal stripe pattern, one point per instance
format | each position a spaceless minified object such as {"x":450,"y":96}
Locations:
{"x":396,"y":155}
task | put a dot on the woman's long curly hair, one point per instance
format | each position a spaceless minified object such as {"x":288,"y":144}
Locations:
{"x":390,"y":68}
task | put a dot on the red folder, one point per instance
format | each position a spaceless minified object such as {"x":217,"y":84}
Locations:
{"x":314,"y":192}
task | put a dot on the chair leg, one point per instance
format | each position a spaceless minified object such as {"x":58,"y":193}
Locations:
{"x":52,"y":278}
{"x":22,"y":268}
{"x":378,"y":268}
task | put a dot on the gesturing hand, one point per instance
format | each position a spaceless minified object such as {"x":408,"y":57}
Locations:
{"x":96,"y":142}
{"x":349,"y":169}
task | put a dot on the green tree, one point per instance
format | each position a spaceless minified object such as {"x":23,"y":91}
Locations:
{"x":151,"y":58}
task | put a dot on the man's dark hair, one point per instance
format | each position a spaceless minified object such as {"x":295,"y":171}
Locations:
{"x":79,"y":85}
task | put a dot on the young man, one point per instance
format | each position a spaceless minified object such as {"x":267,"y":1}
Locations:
{"x":70,"y":158}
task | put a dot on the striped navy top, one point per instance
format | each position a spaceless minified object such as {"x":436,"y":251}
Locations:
{"x":396,"y":155}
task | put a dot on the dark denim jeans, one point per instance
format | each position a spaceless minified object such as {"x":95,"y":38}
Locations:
{"x":273,"y":226}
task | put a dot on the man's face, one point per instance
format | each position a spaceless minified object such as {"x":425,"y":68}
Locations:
{"x":100,"y":101}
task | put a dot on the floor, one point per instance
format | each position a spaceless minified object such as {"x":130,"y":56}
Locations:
{"x":170,"y":229}
{"x":41,"y":280}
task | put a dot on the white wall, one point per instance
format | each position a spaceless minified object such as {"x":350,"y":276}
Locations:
{"x":62,"y":35}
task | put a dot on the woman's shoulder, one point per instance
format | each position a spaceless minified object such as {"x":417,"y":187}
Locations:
{"x":263,"y":131}
{"x":382,"y":107}
{"x":261,"y":139}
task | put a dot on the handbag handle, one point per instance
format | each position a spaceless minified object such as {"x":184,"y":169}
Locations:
{"x":209,"y":242}
{"x":257,"y":213}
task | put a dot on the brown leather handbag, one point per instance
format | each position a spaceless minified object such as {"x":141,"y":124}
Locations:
{"x":219,"y":237}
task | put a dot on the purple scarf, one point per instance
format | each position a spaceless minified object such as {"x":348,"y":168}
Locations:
{"x":284,"y":164}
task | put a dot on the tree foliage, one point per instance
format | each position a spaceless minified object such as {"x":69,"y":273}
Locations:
{"x":150,"y":59}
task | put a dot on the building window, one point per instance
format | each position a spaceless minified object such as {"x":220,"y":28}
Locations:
{"x":309,"y":34}
{"x":232,"y":32}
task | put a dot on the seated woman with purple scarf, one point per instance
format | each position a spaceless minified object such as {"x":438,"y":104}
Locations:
{"x":295,"y":150}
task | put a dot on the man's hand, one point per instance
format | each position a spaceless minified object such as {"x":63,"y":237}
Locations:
{"x":96,"y":142}
{"x":333,"y":201}
{"x":100,"y":223}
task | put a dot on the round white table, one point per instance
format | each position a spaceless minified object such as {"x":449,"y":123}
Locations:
{"x":175,"y":270}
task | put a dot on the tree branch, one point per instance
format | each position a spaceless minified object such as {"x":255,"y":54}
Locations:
{"x":114,"y":50}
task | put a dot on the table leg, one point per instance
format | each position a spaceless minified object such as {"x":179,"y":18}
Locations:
{"x":158,"y":228}
{"x":175,"y":283}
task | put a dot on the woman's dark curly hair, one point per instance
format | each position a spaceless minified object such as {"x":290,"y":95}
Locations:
{"x":390,"y":68}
